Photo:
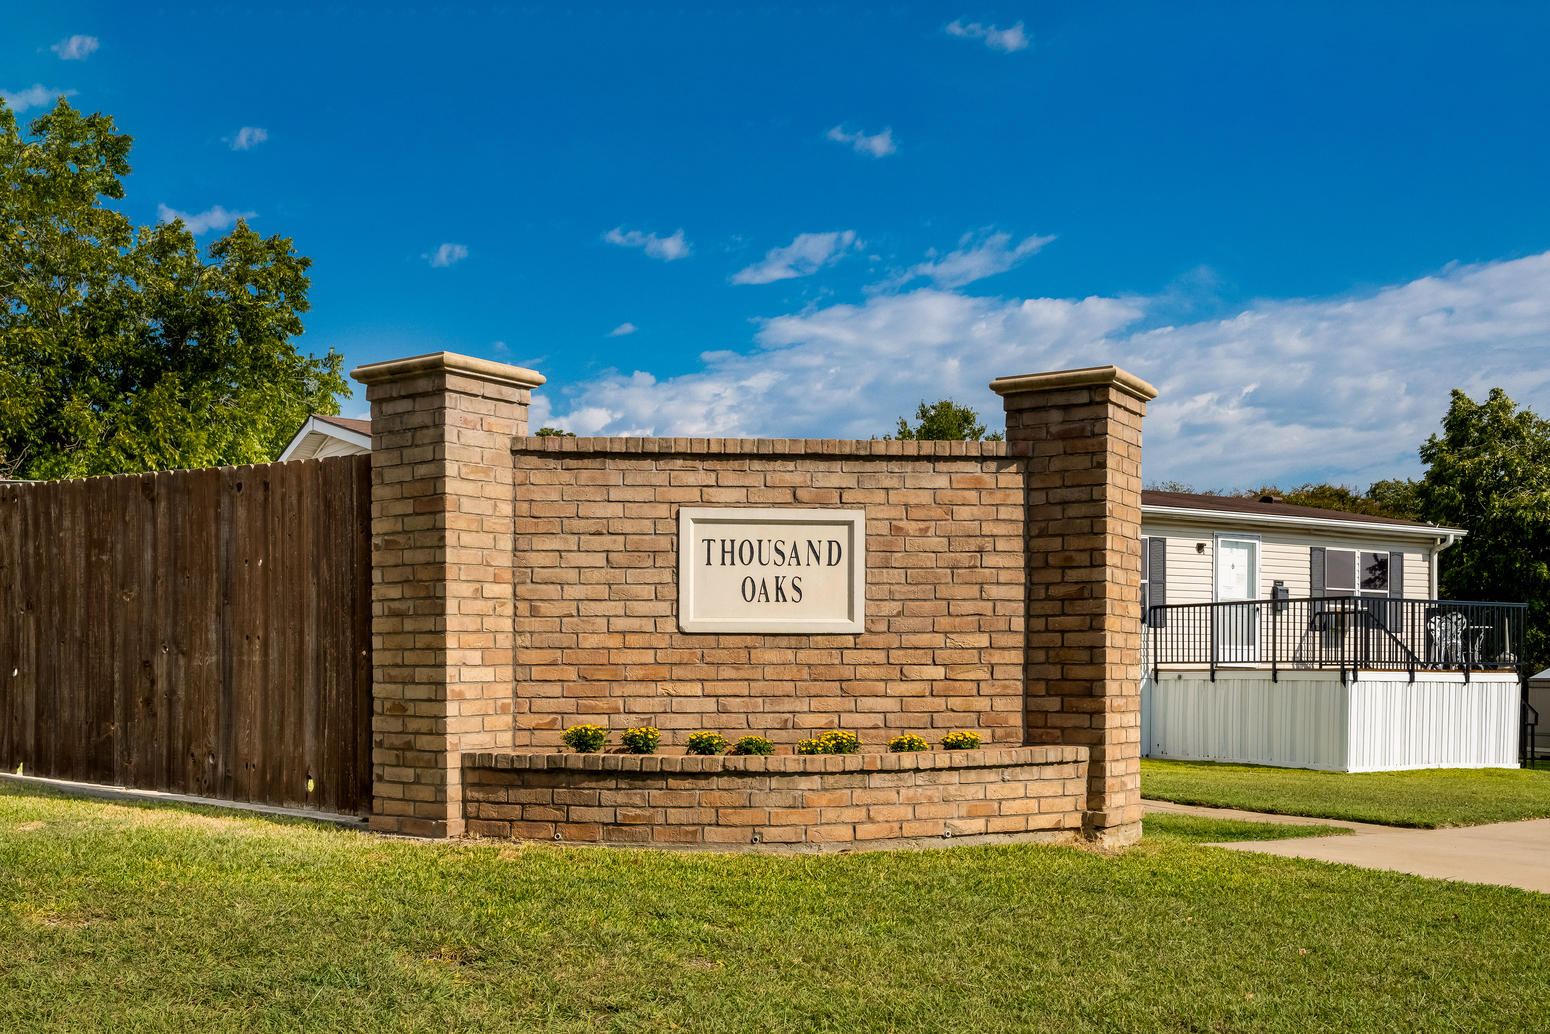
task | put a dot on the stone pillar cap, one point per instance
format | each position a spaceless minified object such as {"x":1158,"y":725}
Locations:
{"x":448,"y":362}
{"x":1088,"y":376}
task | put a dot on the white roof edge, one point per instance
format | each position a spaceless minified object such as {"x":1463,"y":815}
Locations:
{"x":330,"y":430}
{"x":1427,"y":531}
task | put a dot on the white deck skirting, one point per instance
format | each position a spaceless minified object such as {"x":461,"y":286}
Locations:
{"x":1381,"y":722}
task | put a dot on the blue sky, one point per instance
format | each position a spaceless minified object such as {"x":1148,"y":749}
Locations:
{"x":1304,"y":222}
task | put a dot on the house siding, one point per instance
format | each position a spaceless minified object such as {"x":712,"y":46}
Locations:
{"x":1284,"y":556}
{"x":1418,"y":576}
{"x":1312,"y":719}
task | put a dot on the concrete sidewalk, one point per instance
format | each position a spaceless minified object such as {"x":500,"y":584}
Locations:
{"x":1508,"y":854}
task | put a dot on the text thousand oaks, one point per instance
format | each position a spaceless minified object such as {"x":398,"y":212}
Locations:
{"x":773,"y":552}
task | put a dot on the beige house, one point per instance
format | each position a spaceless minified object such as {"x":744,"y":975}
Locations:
{"x":1310,"y":638}
{"x":1204,"y":549}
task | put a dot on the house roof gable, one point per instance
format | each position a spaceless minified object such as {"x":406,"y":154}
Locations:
{"x":348,"y":423}
{"x":320,"y":428}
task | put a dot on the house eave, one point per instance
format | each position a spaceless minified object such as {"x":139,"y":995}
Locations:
{"x":1429,"y":532}
{"x":328,"y":430}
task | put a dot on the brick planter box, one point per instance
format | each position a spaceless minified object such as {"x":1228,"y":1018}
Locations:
{"x":785,"y":802}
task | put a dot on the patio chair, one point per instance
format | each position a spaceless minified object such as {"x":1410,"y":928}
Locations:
{"x":1446,"y":632}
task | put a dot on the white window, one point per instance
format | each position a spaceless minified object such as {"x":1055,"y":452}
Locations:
{"x":1354,"y":572}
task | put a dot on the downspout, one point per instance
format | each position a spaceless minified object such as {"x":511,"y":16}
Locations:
{"x":1437,"y":547}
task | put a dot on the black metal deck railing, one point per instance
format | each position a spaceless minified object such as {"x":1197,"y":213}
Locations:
{"x":1348,"y":634}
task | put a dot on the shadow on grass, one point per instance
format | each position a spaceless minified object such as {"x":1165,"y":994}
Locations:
{"x":202,"y":809}
{"x":1422,"y":798}
{"x":1194,"y":829}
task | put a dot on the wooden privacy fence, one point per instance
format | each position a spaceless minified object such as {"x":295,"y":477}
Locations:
{"x":202,"y":631}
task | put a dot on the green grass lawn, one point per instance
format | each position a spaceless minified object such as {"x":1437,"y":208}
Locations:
{"x":1427,"y":799}
{"x":1192,"y":829}
{"x":151,"y":918}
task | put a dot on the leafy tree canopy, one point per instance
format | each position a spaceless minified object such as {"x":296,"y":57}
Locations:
{"x":944,"y":421}
{"x":554,"y":432}
{"x":124,"y":349}
{"x":1382,"y":499}
{"x":1489,"y":473}
{"x":1395,"y":498}
{"x":1180,"y":486}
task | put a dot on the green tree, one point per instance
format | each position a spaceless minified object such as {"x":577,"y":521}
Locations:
{"x":554,"y":432}
{"x":1382,"y":499}
{"x":1397,"y":497}
{"x":944,"y":421}
{"x":1488,"y":472}
{"x":1177,"y":486}
{"x":122,"y":348}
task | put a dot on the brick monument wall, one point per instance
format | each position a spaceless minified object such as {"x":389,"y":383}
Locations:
{"x":785,"y":802}
{"x":525,"y":584}
{"x":596,"y":591}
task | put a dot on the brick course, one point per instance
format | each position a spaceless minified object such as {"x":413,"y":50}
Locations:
{"x":787,"y":802}
{"x":596,"y":591}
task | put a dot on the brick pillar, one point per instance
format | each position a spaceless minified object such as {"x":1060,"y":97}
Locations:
{"x":1082,"y":430}
{"x":441,"y":597}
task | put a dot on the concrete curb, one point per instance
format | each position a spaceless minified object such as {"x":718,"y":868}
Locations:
{"x":124,"y":793}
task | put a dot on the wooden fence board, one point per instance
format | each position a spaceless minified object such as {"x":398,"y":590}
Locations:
{"x":11,"y":646}
{"x":203,"y":632}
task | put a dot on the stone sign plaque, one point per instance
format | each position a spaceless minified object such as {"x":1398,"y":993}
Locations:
{"x":771,"y":570}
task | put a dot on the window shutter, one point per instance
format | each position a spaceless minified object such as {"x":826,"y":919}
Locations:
{"x":1316,"y":572}
{"x":1396,"y":576}
{"x":1157,"y":577}
{"x":1146,"y":544}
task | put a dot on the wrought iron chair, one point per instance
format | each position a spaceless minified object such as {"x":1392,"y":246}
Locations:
{"x":1446,"y":632}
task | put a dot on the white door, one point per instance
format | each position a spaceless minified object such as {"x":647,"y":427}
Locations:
{"x":1237,"y":578}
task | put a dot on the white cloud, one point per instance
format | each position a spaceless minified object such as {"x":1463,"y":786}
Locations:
{"x":505,"y":354}
{"x":540,"y":413}
{"x":878,"y":145}
{"x":665,"y":248}
{"x":845,"y":370}
{"x":248,"y":137}
{"x":622,"y":329}
{"x":76,"y":48}
{"x":35,"y":96}
{"x":977,"y":256}
{"x":1005,"y":40}
{"x":1341,"y":388}
{"x":804,"y":256}
{"x":446,"y":255}
{"x":215,"y":218}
